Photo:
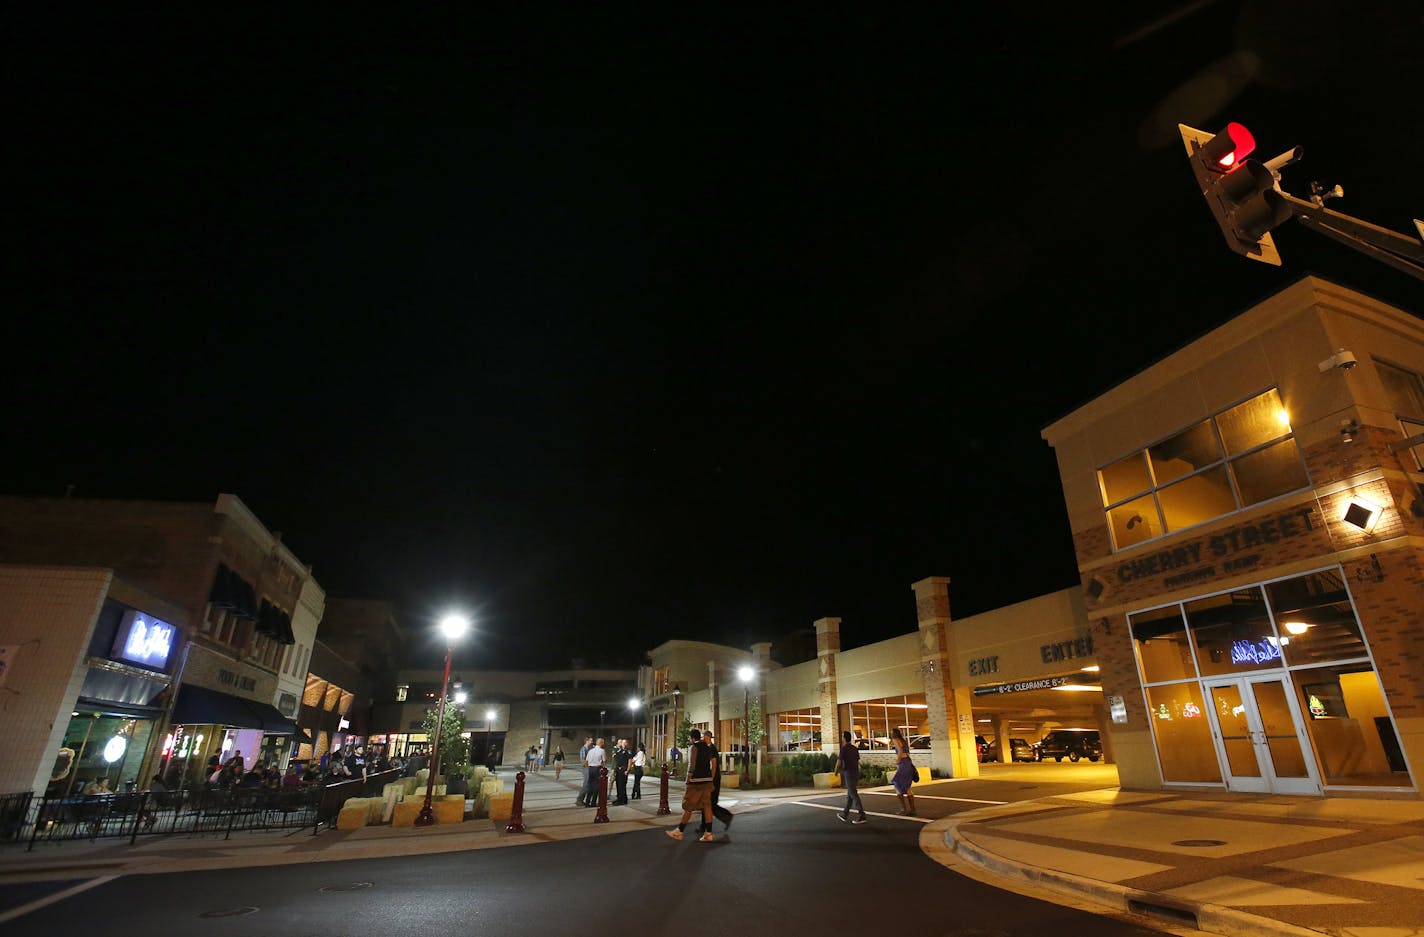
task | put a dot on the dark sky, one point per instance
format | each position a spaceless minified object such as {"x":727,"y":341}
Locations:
{"x":617,"y":322}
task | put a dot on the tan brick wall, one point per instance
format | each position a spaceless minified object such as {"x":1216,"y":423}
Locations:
{"x":48,"y":615}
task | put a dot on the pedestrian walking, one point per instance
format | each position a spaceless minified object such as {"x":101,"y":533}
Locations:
{"x":848,"y":767}
{"x":697,"y":789}
{"x":640,"y":761}
{"x":718,"y":811}
{"x":558,"y":762}
{"x":905,"y":773}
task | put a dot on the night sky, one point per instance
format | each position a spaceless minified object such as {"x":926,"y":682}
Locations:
{"x":615,"y":323}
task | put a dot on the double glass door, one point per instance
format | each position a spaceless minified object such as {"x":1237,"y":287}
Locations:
{"x":1260,"y":735}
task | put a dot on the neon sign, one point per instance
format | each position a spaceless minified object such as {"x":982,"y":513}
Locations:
{"x":1259,"y":652}
{"x":144,"y":640}
{"x":1190,"y":710}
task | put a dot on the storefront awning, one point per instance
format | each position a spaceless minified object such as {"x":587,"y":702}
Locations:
{"x":199,"y":706}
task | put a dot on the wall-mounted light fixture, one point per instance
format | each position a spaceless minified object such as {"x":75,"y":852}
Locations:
{"x":1362,"y":513}
{"x":1349,"y":429}
{"x":1296,"y":627}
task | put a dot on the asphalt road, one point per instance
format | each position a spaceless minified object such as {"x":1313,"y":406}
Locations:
{"x":793,"y":868}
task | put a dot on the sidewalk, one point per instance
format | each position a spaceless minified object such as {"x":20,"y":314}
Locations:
{"x":1228,"y":863}
{"x":549,"y":815}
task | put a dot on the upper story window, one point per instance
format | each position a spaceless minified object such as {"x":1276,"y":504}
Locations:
{"x":1406,"y":395}
{"x":1238,"y":457}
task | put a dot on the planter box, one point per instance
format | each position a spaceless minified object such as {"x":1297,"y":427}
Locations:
{"x":501,"y":806}
{"x":731,"y":781}
{"x":826,"y":779}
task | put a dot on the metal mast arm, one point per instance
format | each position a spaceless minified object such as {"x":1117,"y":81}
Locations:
{"x":1400,"y":251}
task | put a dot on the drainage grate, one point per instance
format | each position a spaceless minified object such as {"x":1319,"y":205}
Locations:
{"x":229,"y":912}
{"x":1199,"y":842}
{"x":351,"y":886}
{"x":1185,"y":915}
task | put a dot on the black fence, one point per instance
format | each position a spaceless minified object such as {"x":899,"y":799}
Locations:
{"x":193,"y":812}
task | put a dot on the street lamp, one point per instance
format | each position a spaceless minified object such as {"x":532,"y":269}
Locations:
{"x":747,"y":675}
{"x":633,"y":704}
{"x":489,"y":727}
{"x":676,"y":724}
{"x":453,"y":627}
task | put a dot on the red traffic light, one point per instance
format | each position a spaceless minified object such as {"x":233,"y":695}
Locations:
{"x":1227,"y":149}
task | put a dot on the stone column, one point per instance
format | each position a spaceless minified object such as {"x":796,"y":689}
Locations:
{"x":951,"y":709}
{"x":1006,"y":751}
{"x":828,"y":645}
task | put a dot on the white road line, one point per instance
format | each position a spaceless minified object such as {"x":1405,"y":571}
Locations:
{"x":963,"y":800}
{"x":57,"y":896}
{"x":868,"y":813}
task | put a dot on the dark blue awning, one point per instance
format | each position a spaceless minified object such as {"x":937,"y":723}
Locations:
{"x":197,"y":706}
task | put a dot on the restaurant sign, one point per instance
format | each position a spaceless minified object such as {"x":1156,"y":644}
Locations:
{"x":1219,"y":554}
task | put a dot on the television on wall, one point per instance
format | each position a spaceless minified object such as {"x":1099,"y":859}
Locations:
{"x":1324,"y":700}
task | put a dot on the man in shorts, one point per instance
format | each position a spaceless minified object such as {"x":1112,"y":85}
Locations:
{"x":697,"y":789}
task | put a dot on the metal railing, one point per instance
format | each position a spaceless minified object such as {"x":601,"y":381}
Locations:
{"x":199,"y":811}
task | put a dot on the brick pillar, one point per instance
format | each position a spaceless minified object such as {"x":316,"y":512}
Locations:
{"x":828,"y":645}
{"x":951,"y":709}
{"x":714,"y":699}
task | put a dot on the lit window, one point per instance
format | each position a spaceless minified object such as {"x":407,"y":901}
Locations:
{"x":1241,"y":456}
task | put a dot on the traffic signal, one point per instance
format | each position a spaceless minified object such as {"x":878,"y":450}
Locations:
{"x":1241,"y":192}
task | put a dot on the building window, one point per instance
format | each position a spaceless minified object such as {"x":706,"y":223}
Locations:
{"x":1303,"y":627}
{"x":1405,"y":391}
{"x":1241,"y":456}
{"x":870,"y":721}
{"x":798,"y":730}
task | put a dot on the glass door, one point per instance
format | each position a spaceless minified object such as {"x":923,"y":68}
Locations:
{"x":1261,"y":736}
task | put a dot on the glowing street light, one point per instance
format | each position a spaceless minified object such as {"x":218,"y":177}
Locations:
{"x":453,"y":627}
{"x":747,"y":675}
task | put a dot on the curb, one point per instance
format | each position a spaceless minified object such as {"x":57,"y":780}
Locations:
{"x":944,"y":836}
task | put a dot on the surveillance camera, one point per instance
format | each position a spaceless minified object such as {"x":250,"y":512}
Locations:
{"x":1342,"y":359}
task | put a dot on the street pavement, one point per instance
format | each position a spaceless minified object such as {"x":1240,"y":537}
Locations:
{"x":1224,"y":863}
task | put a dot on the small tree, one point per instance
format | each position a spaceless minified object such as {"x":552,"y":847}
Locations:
{"x":454,"y":748}
{"x":753,"y":728}
{"x":680,"y":740}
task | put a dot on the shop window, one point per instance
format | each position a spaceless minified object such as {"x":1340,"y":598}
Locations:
{"x":1253,"y":423}
{"x":1183,"y":733}
{"x":1124,"y":478}
{"x":1315,"y":619}
{"x":1239,"y":457}
{"x":1232,"y":633}
{"x":1184,"y":453}
{"x":1350,"y":729}
{"x":1135,"y":522}
{"x":870,"y":721}
{"x":1197,"y":499}
{"x":1163,"y":652}
{"x":1269,"y":472}
{"x":1405,"y":391}
{"x":798,"y":730}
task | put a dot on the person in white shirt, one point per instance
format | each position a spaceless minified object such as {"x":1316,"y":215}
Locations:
{"x":594,"y":759}
{"x":640,"y":760}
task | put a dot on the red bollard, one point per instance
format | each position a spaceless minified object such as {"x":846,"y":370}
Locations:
{"x":602,"y":814}
{"x":516,"y":813}
{"x":663,"y":809}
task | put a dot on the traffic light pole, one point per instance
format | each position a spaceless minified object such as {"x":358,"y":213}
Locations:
{"x":1400,"y":251}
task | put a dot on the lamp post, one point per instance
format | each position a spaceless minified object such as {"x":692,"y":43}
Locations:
{"x":633,"y":704}
{"x":489,"y":726}
{"x":454,"y":628}
{"x":676,"y":722}
{"x":747,"y":675}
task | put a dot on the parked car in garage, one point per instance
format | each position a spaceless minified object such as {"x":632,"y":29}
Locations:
{"x":1019,"y":750}
{"x":919,"y":742}
{"x":1072,"y":744}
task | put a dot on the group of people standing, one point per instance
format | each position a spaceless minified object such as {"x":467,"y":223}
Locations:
{"x":627,"y":762}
